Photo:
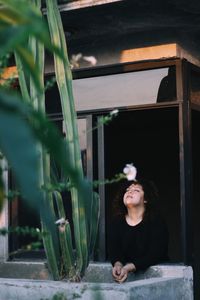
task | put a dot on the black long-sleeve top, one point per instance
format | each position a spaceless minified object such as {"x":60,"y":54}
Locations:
{"x":144,"y":244}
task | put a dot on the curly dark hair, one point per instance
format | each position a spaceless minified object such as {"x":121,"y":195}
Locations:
{"x":150,"y":194}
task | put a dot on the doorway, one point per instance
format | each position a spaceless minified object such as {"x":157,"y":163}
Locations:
{"x":149,"y":139}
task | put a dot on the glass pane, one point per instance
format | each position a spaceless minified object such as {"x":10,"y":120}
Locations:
{"x":195,"y":88}
{"x":127,"y":89}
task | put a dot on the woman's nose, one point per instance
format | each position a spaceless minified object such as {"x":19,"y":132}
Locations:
{"x":131,"y":191}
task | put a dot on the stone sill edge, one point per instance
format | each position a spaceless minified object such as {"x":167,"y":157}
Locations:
{"x":167,"y":270}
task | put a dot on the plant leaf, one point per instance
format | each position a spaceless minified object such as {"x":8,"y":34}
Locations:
{"x":18,"y":144}
{"x":2,"y":196}
{"x":23,"y":19}
{"x":18,"y":21}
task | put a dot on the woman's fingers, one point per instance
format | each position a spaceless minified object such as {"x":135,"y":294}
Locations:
{"x":122,"y":279}
{"x":122,"y":276}
{"x":120,"y":273}
{"x":116,"y":271}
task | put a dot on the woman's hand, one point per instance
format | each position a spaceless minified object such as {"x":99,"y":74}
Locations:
{"x":124,"y":272}
{"x":116,"y":271}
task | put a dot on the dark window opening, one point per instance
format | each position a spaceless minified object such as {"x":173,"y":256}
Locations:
{"x":196,"y":197}
{"x":21,"y":215}
{"x":149,"y":139}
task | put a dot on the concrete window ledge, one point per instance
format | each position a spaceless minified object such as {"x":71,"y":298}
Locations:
{"x":166,"y":282}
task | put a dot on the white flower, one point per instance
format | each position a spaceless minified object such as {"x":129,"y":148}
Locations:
{"x":61,"y":224}
{"x":130,"y":171}
{"x":91,"y":59}
{"x":114,"y":112}
{"x":77,"y":57}
{"x":61,"y":221}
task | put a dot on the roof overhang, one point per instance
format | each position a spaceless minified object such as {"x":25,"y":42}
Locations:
{"x":147,"y":22}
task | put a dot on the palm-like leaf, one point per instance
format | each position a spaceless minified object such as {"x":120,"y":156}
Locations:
{"x":18,"y":21}
{"x":23,"y":29}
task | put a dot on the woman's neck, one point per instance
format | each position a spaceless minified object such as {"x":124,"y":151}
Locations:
{"x":134,"y":215}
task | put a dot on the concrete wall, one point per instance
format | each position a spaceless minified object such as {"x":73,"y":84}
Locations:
{"x":166,"y":282}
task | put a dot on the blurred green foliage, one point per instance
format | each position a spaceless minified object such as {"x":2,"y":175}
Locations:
{"x":28,"y":140}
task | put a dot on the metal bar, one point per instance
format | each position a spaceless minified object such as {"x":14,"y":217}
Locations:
{"x":119,"y":68}
{"x":58,"y":116}
{"x":101,"y":177}
{"x":122,"y":68}
{"x":185,"y":160}
{"x":89,"y":152}
{"x":4,"y":214}
{"x":73,"y":5}
{"x":132,"y":107}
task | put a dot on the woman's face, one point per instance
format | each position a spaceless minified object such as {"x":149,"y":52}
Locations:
{"x":134,"y":196}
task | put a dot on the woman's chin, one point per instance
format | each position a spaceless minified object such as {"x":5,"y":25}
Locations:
{"x":131,"y":204}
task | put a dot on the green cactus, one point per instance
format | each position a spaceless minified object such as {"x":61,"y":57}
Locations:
{"x":94,"y":221}
{"x":50,"y":253}
{"x":63,"y":257}
{"x":64,"y":81}
{"x":65,"y":239}
{"x":31,"y":94}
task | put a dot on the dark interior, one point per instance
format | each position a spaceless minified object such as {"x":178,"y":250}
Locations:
{"x":196,"y":198}
{"x":149,"y":139}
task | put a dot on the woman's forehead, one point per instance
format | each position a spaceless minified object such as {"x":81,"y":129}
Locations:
{"x":133,"y":185}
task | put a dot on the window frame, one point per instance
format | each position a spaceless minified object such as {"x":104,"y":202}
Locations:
{"x":184,"y":123}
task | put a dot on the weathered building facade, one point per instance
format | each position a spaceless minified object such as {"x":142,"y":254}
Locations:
{"x":147,"y":66}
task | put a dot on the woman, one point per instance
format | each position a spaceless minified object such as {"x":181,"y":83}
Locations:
{"x":139,"y":236}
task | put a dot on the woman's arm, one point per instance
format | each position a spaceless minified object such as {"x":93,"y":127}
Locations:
{"x":115,"y":251}
{"x":157,"y":250}
{"x":114,"y":244}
